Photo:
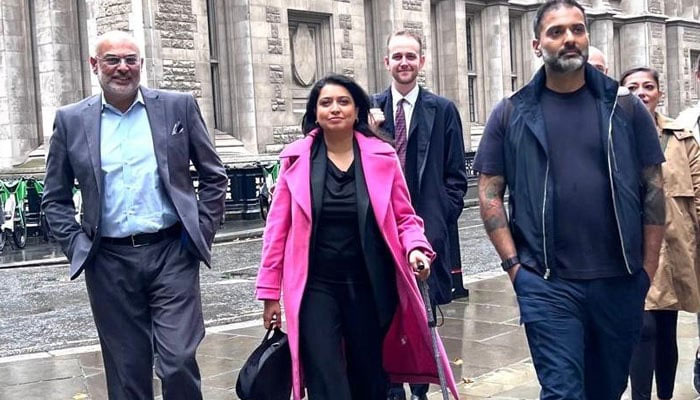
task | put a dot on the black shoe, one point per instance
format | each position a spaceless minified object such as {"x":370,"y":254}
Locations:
{"x":696,"y":373}
{"x":460,"y":293}
{"x":421,"y":397}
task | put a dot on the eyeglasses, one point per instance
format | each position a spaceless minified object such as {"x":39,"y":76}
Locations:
{"x":114,"y":61}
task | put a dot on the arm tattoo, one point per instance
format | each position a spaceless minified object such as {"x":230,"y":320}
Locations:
{"x":654,"y":202}
{"x":491,"y":190}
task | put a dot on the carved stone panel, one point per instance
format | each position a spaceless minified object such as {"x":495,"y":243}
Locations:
{"x":303,"y":55}
{"x":311,"y":53}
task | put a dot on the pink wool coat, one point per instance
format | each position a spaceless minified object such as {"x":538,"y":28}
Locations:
{"x":407,"y":348}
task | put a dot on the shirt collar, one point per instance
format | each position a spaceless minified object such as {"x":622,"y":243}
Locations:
{"x":411,"y":97}
{"x":138,"y":99}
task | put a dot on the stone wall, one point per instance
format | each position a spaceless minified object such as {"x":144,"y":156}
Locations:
{"x":657,"y":58}
{"x":113,"y":15}
{"x":19,"y":128}
{"x":176,"y":25}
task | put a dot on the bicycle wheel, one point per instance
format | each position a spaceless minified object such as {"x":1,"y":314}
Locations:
{"x":264,"y":206}
{"x":19,"y":236}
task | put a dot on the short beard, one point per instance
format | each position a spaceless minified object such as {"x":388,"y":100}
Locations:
{"x":563,"y":65}
{"x":412,"y":79}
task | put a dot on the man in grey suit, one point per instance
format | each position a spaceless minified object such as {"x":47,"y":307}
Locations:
{"x":143,"y":231}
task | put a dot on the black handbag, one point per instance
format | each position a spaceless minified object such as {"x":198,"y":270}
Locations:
{"x":267,"y":373}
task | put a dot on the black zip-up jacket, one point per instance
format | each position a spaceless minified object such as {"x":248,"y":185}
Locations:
{"x":528,"y":176}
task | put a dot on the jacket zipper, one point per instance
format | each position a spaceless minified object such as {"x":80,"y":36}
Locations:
{"x":544,"y":227}
{"x":611,"y":151}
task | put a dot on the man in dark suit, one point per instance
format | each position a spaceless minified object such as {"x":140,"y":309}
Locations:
{"x":143,"y":230}
{"x":427,"y":133}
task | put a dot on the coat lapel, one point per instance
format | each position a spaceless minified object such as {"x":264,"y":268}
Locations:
{"x":361,"y":194}
{"x":387,"y":104}
{"x":298,"y":174}
{"x":155,"y":109}
{"x":422,"y":128}
{"x":319,"y":163}
{"x":91,"y":127}
{"x":379,"y":167}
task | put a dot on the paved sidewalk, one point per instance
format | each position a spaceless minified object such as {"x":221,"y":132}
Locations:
{"x":487,"y":347}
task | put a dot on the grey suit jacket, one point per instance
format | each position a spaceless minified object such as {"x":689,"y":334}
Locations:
{"x":74,"y":153}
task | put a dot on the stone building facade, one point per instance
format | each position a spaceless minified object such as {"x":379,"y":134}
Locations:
{"x":251,"y":63}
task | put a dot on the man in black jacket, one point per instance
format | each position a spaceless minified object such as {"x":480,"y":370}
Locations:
{"x":581,"y":243}
{"x":427,"y":133}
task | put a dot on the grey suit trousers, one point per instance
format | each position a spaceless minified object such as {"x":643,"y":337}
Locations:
{"x":147,"y":308}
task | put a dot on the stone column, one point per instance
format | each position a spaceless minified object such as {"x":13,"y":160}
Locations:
{"x":452,"y":54}
{"x":531,"y":63}
{"x":634,"y":45}
{"x":242,"y":70}
{"x":496,"y":53}
{"x":601,"y":36}
{"x":677,"y":86}
{"x":18,"y":112}
{"x":384,"y":23}
{"x":60,"y":62}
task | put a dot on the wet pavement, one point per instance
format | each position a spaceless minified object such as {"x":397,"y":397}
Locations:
{"x":486,"y":346}
{"x":48,"y":341}
{"x":39,"y":252}
{"x":42,"y":310}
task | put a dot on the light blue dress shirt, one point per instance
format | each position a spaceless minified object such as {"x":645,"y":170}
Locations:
{"x":134,"y":200}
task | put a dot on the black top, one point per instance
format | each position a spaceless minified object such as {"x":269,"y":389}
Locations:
{"x":338,"y":253}
{"x":586,"y":237}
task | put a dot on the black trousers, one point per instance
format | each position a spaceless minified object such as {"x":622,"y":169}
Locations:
{"x":146,"y":300}
{"x":341,"y":342}
{"x":656,"y":353}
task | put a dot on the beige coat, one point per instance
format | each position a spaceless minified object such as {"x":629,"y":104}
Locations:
{"x":676,"y":285}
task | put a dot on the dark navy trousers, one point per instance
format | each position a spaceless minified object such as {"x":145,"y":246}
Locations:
{"x":581,"y":333}
{"x":148,"y":311}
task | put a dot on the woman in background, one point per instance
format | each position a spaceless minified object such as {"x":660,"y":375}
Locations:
{"x":676,"y":283}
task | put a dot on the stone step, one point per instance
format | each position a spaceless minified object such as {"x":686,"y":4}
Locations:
{"x":274,"y":148}
{"x":229,"y":145}
{"x":39,"y":152}
{"x":477,"y":131}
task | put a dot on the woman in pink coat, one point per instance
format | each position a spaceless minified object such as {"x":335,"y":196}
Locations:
{"x":343,"y":245}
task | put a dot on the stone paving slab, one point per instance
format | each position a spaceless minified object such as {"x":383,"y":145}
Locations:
{"x":484,"y":341}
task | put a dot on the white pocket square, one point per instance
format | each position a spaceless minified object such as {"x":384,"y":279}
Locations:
{"x":177,"y":129}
